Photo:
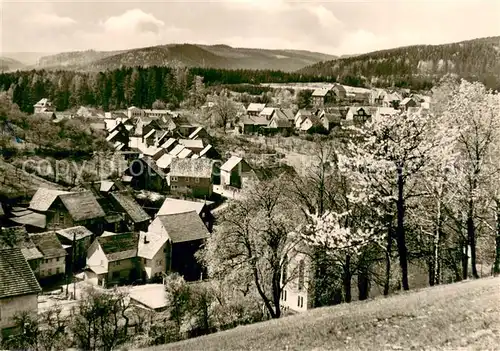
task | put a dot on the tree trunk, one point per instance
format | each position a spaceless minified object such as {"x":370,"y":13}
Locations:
{"x":431,"y":269}
{"x":363,"y":283}
{"x":465,"y":260}
{"x":496,"y":265}
{"x":347,"y":279}
{"x":400,"y":231}
{"x":437,"y":243}
{"x":388,"y":252}
{"x":471,"y":236}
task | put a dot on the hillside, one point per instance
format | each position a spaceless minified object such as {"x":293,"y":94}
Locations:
{"x":9,"y":64}
{"x":477,"y":59}
{"x":189,"y":55}
{"x":458,"y":316}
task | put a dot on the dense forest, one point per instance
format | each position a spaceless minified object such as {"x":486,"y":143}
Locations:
{"x":120,"y":88}
{"x":412,"y":66}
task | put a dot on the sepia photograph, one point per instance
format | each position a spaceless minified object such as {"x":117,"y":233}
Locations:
{"x":225,"y":175}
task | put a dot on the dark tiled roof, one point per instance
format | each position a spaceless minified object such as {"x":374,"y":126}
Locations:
{"x":18,"y":237}
{"x":189,"y":167}
{"x":16,"y":275}
{"x":119,"y":246}
{"x":131,"y":207}
{"x":82,"y":205}
{"x":48,"y":244}
{"x":78,"y":233}
{"x":186,"y":226}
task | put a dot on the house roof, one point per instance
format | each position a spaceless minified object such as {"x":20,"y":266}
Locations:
{"x":195,"y":133}
{"x":48,"y":244}
{"x":406,"y":100}
{"x":253,"y":107}
{"x":231,"y":163}
{"x":164,"y":161}
{"x":119,"y":246}
{"x":185,"y":153}
{"x":192,"y":143}
{"x":255,"y":120}
{"x":153,"y":296}
{"x":280,"y":122}
{"x":43,"y":102}
{"x":150,"y":133}
{"x":30,"y":218}
{"x":149,"y":244}
{"x":320,"y":92}
{"x":267,"y":111}
{"x":18,"y":237}
{"x":131,"y":207}
{"x":43,"y":199}
{"x":386,"y":111}
{"x":168,"y":143}
{"x":82,"y":205}
{"x":78,"y":233}
{"x":16,"y":275}
{"x":172,"y":206}
{"x":177,"y":150}
{"x":152,"y":164}
{"x":205,"y":150}
{"x":182,"y":227}
{"x":106,"y":185}
{"x":189,"y":167}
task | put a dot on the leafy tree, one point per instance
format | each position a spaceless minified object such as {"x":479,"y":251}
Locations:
{"x":304,"y":98}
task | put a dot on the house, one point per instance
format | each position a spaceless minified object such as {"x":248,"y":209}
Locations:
{"x":176,"y":150}
{"x":331,"y":118}
{"x":185,"y":153}
{"x":155,"y":113}
{"x":339,"y":91}
{"x":192,"y":177}
{"x":76,"y":241}
{"x":195,"y":145}
{"x":298,"y":280}
{"x":135,"y":217}
{"x":33,"y":222}
{"x":253,"y":124}
{"x":134,"y":112}
{"x":406,"y":103}
{"x":186,"y":233}
{"x":233,"y":171}
{"x":392,"y":100}
{"x":254,"y":109}
{"x":358,"y":114}
{"x":19,"y":289}
{"x":44,"y":105}
{"x":199,"y":133}
{"x":18,"y":237}
{"x":119,"y":133}
{"x":152,"y":254}
{"x":174,"y":206}
{"x":53,"y":262}
{"x":75,"y":209}
{"x":112,"y":259}
{"x":280,"y":125}
{"x":147,"y":175}
{"x":385,"y":111}
{"x":169,"y":144}
{"x":320,"y":97}
{"x":377,"y":97}
{"x":311,"y":124}
{"x":184,"y":130}
{"x":164,"y":162}
{"x":301,"y":116}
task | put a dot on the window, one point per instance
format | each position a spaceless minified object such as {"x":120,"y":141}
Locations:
{"x":285,"y":296}
{"x":116,"y":275}
{"x":174,"y":179}
{"x":117,"y":263}
{"x":57,"y":259}
{"x":159,"y":263}
{"x":174,"y":187}
{"x":203,"y":215}
{"x":298,"y":301}
{"x":49,"y":272}
{"x":47,"y":261}
{"x":187,"y":179}
{"x":301,"y":301}
{"x":197,"y":180}
{"x":61,"y":217}
{"x":58,"y":270}
{"x":301,"y":274}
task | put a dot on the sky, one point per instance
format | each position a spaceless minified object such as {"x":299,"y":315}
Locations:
{"x":333,"y":27}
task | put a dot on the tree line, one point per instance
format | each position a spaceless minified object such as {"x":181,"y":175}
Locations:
{"x":124,"y":87}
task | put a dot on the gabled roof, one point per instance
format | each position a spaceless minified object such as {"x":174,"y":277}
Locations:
{"x":192,"y":143}
{"x":82,"y":205}
{"x":386,"y":111}
{"x":255,"y":120}
{"x":406,"y":100}
{"x":48,"y":244}
{"x":195,"y":133}
{"x":231,"y":163}
{"x":182,"y":227}
{"x":43,"y":199}
{"x":189,"y":167}
{"x":149,"y":244}
{"x":164,"y":161}
{"x":185,"y":153}
{"x":106,"y":185}
{"x":77,"y":233}
{"x":119,"y":246}
{"x":131,"y":207}
{"x":205,"y":150}
{"x":253,"y":107}
{"x":172,"y":206}
{"x":18,"y":237}
{"x":320,"y":92}
{"x":177,"y":150}
{"x":168,"y":143}
{"x":16,"y":275}
{"x":152,"y":165}
{"x":268,"y":111}
{"x":28,"y":217}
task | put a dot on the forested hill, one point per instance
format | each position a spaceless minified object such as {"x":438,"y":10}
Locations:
{"x":9,"y":64}
{"x":184,"y":55}
{"x":477,"y":59}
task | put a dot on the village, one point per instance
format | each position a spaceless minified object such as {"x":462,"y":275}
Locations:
{"x":99,"y":235}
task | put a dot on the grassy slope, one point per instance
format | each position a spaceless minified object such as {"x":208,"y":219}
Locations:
{"x":459,"y":316}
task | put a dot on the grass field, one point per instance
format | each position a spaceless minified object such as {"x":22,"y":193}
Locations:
{"x":461,"y":316}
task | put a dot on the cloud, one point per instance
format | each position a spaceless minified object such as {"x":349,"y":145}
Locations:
{"x":133,"y":21}
{"x":49,"y":20}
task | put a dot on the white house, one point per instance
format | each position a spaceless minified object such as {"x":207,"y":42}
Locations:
{"x":151,"y":251}
{"x":233,"y":171}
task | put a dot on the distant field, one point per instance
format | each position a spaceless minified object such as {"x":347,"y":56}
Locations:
{"x":461,"y":316}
